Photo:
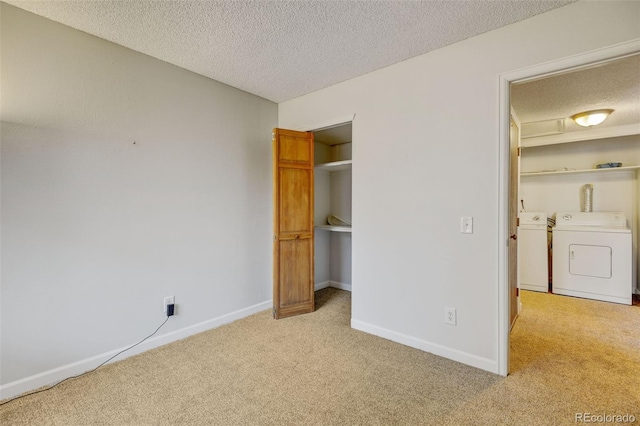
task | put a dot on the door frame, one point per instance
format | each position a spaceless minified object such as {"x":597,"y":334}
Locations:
{"x":546,"y":69}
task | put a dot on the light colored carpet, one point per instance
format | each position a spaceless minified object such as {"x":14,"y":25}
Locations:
{"x":568,"y":355}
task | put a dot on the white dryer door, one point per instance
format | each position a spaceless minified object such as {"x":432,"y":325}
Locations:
{"x":590,"y":261}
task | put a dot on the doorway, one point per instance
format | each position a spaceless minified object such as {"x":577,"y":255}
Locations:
{"x":506,"y":201}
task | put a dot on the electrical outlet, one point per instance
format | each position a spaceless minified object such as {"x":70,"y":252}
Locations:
{"x":450,"y":316}
{"x":169,"y":300}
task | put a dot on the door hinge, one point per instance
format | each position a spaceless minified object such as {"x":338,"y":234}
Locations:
{"x":519,"y":151}
{"x":275,"y":237}
{"x":274,"y":311}
{"x":517,"y":221}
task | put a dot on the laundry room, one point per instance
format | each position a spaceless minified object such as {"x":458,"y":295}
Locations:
{"x":582,"y":177}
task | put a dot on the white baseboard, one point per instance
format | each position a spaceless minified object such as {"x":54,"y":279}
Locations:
{"x":436,"y":349}
{"x":334,"y":284}
{"x":340,"y":286}
{"x":320,"y":286}
{"x":52,"y":376}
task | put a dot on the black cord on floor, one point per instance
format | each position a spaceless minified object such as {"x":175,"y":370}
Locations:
{"x":86,"y":372}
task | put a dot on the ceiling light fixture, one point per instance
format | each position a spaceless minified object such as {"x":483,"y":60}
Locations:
{"x":591,"y":118}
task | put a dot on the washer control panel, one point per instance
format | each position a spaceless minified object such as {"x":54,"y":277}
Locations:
{"x":533,"y":218}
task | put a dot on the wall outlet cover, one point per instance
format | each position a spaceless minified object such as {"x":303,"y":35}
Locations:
{"x":450,"y":316}
{"x":169,"y":300}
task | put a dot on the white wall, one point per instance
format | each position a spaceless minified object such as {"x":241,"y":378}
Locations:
{"x":341,"y":249}
{"x":613,"y":191}
{"x":425,"y":152}
{"x":124,"y":180}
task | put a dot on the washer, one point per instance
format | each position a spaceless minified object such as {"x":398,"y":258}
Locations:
{"x":592,"y":256}
{"x":533,"y":251}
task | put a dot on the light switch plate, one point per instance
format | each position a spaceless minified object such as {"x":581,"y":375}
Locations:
{"x":466,"y":225}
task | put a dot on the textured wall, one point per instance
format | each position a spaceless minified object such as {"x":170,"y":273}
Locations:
{"x":124,"y":180}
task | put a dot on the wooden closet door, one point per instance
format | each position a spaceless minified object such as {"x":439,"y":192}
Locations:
{"x":293,"y":223}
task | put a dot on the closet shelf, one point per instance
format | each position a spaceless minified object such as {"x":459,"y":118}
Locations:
{"x":565,"y":172}
{"x":582,"y":136}
{"x":334,"y":228}
{"x":335,"y":166}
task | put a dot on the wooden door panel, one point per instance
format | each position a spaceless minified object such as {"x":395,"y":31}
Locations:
{"x":295,"y":149}
{"x":293,"y":243}
{"x":295,"y":200}
{"x":295,"y":267}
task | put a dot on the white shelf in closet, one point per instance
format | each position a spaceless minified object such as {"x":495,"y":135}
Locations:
{"x":335,"y":166}
{"x":566,"y":172}
{"x":581,"y":136}
{"x":334,"y":228}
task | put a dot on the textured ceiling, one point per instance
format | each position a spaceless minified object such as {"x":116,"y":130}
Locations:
{"x":615,"y":84}
{"x":283,"y":49}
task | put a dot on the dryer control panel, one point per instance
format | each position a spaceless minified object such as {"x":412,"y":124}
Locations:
{"x":602,"y":219}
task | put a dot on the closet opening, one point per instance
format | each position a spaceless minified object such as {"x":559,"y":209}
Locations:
{"x":332,"y":207}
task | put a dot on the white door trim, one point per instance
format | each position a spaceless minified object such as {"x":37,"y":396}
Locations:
{"x":534,"y":72}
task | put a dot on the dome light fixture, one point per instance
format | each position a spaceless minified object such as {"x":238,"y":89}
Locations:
{"x":591,"y":118}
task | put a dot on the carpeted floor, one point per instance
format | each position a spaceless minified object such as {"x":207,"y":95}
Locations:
{"x":568,"y":356}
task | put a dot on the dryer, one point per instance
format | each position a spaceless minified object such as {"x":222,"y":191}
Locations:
{"x":592,"y":256}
